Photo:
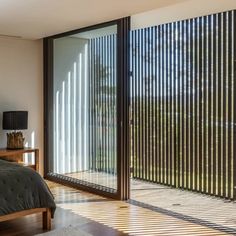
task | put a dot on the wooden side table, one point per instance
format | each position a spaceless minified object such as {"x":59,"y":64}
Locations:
{"x":17,"y":156}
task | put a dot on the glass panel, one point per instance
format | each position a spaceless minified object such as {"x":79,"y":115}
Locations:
{"x":85,"y":107}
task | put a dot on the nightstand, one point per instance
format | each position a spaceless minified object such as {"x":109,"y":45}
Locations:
{"x":16,"y":155}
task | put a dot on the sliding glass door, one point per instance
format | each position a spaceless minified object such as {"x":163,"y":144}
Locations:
{"x":86,"y":108}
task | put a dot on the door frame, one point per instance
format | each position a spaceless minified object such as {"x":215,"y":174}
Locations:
{"x":123,"y":62}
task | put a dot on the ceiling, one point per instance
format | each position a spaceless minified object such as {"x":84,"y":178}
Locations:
{"x":34,"y":19}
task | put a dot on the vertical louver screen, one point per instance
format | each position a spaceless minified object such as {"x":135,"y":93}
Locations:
{"x":103,"y":105}
{"x":182,"y":104}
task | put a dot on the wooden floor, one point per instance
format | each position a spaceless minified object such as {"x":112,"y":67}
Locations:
{"x":100,"y":216}
{"x":208,"y":210}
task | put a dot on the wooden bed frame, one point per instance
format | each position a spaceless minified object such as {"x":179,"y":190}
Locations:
{"x":46,"y":216}
{"x":17,"y":156}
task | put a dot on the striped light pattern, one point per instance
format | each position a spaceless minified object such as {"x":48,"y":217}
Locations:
{"x":70,"y":116}
{"x":182,"y":104}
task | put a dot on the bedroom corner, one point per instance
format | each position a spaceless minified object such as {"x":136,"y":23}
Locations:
{"x":21,"y":79}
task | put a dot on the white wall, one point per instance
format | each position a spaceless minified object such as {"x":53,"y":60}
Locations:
{"x":70,"y":105}
{"x":185,"y":10}
{"x":21,"y":86}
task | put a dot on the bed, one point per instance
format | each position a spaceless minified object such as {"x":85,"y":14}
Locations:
{"x":24,"y":192}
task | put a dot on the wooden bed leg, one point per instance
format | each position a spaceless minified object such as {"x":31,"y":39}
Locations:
{"x":47,"y":219}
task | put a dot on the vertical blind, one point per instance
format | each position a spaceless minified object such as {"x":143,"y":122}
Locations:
{"x":183,"y":104}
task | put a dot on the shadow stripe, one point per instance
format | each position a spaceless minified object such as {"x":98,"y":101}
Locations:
{"x":180,"y":216}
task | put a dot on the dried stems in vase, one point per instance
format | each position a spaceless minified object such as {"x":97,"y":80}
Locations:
{"x":15,"y":140}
